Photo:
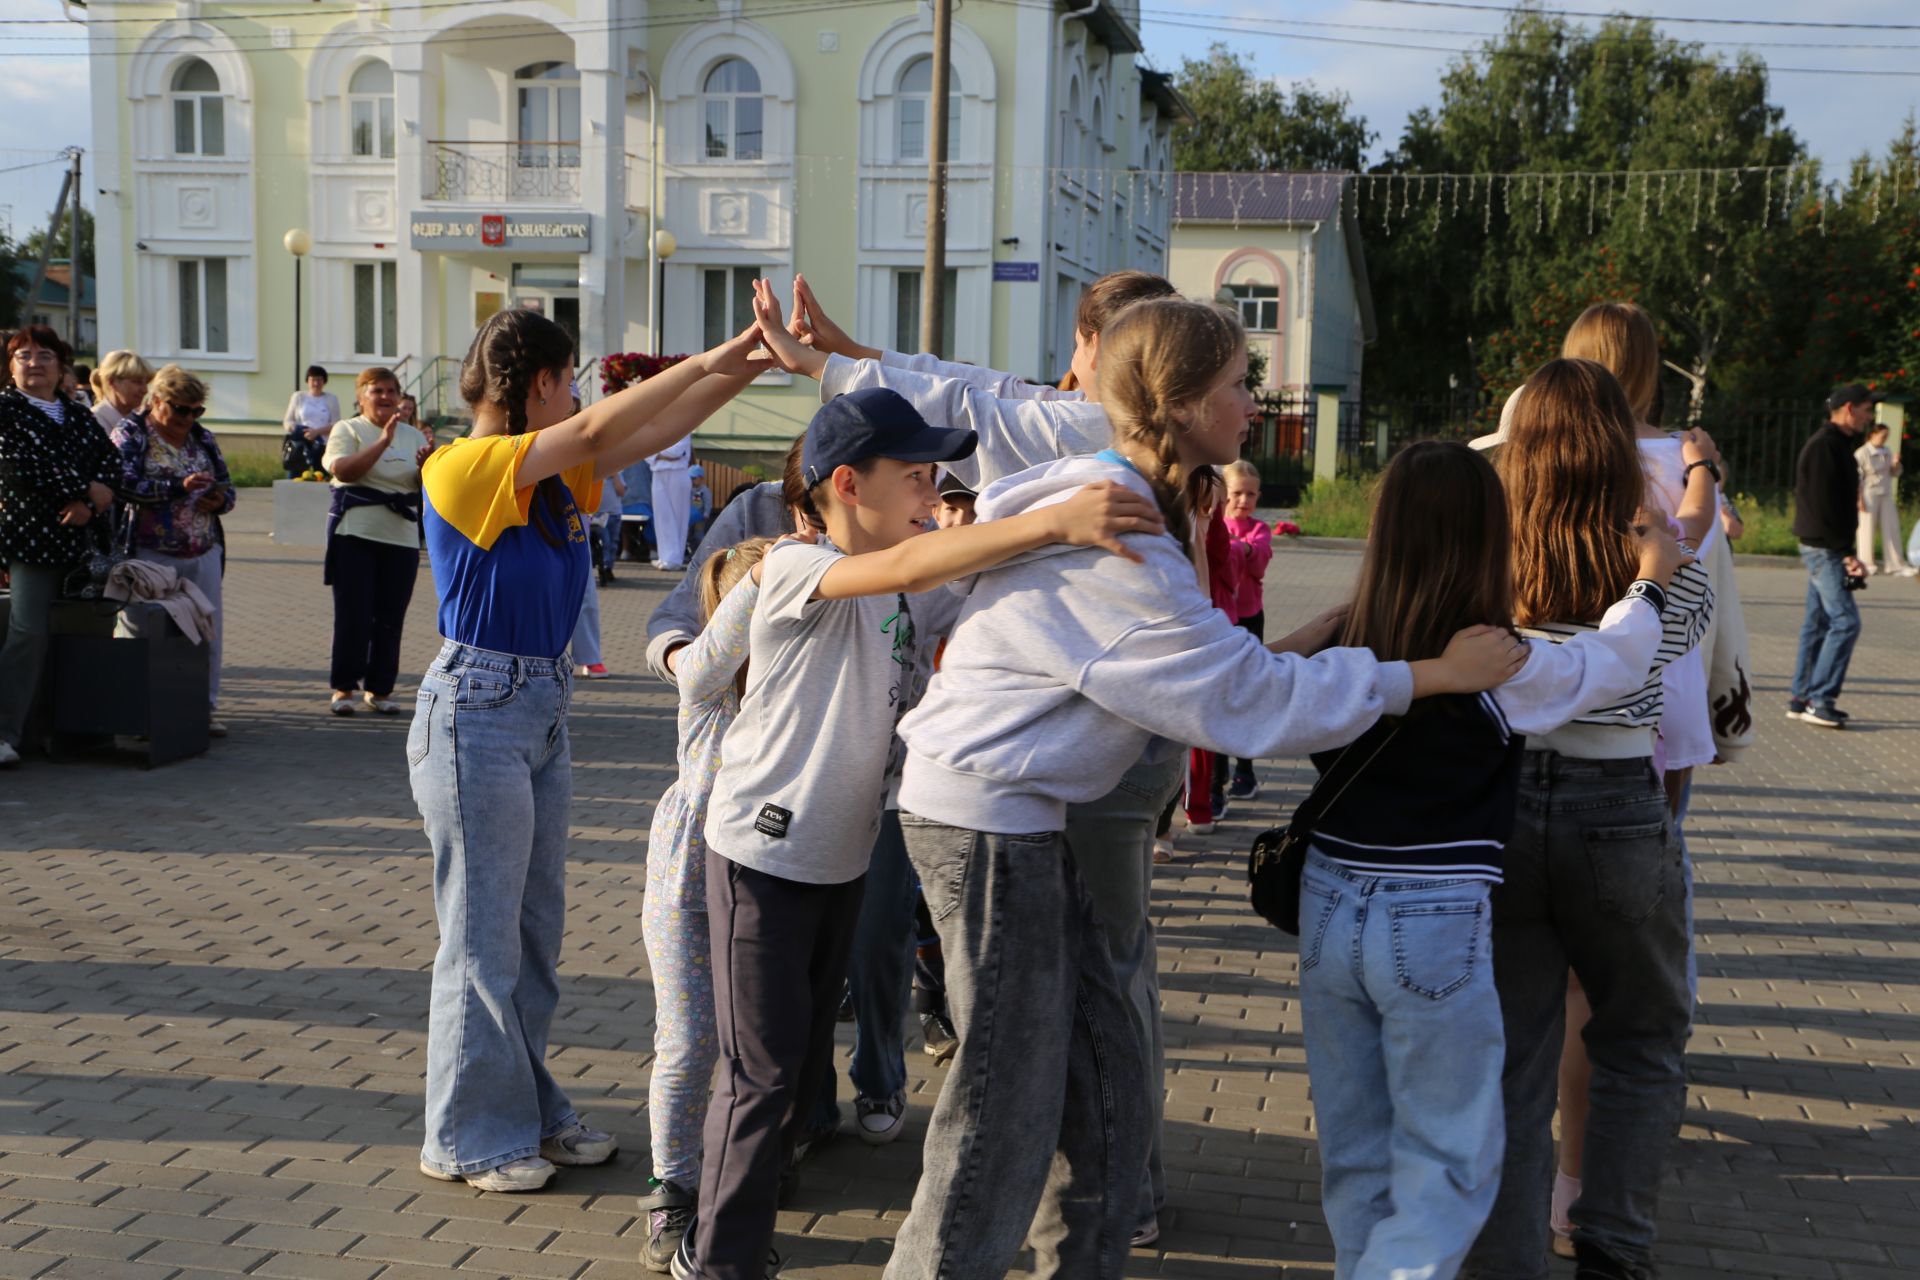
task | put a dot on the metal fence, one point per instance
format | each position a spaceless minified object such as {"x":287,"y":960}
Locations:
{"x":1283,"y":444}
{"x":1761,"y":441}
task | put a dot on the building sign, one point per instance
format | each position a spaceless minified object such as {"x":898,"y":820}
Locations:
{"x":500,"y":231}
{"x":1016,"y":272}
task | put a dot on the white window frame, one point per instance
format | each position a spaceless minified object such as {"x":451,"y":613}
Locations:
{"x":201,"y":295}
{"x":1257,"y":300}
{"x":555,"y":151}
{"x":903,"y":97}
{"x":906,"y":326}
{"x":380,"y":118}
{"x":197,"y":102}
{"x":382,"y":275}
{"x":730,"y":102}
{"x":736,"y":298}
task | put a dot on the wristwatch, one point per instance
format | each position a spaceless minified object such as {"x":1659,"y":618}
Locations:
{"x":1713,"y":469}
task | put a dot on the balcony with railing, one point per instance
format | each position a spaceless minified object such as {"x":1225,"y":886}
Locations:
{"x":504,"y":172}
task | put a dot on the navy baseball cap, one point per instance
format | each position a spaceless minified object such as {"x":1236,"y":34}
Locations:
{"x":874,"y":422}
{"x":1852,"y":393}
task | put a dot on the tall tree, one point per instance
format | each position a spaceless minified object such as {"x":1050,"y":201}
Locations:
{"x":1246,"y":123}
{"x":1477,"y":294}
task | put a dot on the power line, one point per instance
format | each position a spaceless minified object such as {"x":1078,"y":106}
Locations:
{"x":1651,"y":17}
{"x":1594,"y":36}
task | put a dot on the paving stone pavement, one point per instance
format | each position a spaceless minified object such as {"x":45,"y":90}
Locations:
{"x":213,"y":988}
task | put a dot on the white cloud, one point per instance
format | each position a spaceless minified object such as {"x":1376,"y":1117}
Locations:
{"x":45,"y":94}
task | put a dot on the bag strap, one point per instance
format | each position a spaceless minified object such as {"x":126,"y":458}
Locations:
{"x":1315,"y":807}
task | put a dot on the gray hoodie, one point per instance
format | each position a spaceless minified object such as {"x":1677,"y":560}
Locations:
{"x":1067,"y":660}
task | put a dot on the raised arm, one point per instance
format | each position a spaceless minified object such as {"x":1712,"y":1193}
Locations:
{"x":684,"y":416}
{"x":759,"y":513}
{"x":708,"y":665}
{"x":631,"y":421}
{"x":1700,"y":505}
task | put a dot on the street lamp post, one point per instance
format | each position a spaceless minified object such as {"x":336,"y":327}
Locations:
{"x":664,"y":245}
{"x":297,"y":242}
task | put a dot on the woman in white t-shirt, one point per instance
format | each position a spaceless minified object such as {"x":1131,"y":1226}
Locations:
{"x":310,"y":416}
{"x":373,"y":542}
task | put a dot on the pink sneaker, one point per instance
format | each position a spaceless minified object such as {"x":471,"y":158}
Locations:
{"x":595,"y":671}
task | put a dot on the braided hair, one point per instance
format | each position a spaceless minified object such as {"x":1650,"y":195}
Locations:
{"x":508,"y":354}
{"x":1157,"y":356}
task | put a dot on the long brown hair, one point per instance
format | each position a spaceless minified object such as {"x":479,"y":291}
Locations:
{"x":1574,"y":488}
{"x":512,"y":349}
{"x":1439,"y":554}
{"x":1620,"y":336}
{"x":1157,"y":357}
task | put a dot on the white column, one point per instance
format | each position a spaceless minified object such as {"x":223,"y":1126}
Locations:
{"x":420,"y":303}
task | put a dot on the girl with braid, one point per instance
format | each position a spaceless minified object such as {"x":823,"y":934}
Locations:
{"x":505,"y":513}
{"x":1060,"y":669}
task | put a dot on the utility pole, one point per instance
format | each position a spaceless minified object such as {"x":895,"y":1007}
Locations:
{"x":67,"y":184}
{"x":933,"y":275}
{"x":73,"y":253}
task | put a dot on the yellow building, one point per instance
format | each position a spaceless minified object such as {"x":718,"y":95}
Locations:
{"x":1283,"y":249}
{"x":446,"y":158}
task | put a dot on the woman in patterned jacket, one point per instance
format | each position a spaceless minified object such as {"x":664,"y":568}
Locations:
{"x":57,"y":469}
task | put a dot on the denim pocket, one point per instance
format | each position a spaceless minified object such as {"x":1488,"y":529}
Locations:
{"x":1629,"y":866}
{"x":1316,"y":910}
{"x":420,"y":732}
{"x":478,"y":688}
{"x":939,"y":855}
{"x":1435,"y":945}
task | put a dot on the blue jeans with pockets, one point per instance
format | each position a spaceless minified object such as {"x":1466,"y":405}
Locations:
{"x":1404,"y":1048}
{"x":493,"y":777}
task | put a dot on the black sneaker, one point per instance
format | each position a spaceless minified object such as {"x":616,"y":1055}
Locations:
{"x":684,"y":1267}
{"x":1245,"y":787}
{"x":938,"y":1039}
{"x":669,"y":1209}
{"x":1826,"y":718}
{"x":1220,"y":806}
{"x":1795,"y":709}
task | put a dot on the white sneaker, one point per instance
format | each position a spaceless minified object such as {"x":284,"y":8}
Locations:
{"x":8,"y":756}
{"x":516,"y":1175}
{"x":881,"y":1119}
{"x":1200,"y":828}
{"x":579,"y":1145}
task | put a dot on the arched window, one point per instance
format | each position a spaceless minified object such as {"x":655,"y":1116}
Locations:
{"x":1070,"y":127}
{"x":547,"y":105}
{"x":1099,"y":129}
{"x":734,"y":111}
{"x":914,"y":110}
{"x":199,"y":111}
{"x":370,"y":110}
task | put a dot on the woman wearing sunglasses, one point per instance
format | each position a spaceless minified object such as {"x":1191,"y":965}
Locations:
{"x":172,"y":471}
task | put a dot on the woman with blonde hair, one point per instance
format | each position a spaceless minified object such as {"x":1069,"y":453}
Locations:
{"x":173,"y":474}
{"x":119,"y":386}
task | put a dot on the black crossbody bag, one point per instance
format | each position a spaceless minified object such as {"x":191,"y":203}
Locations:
{"x":1279,"y":854}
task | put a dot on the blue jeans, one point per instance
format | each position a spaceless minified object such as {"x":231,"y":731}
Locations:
{"x":879,"y":979}
{"x":493,"y":778}
{"x":1828,"y":635}
{"x":1404,"y":1049}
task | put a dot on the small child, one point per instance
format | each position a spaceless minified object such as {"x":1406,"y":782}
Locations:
{"x":1206,"y":772}
{"x":956,"y":502}
{"x":1251,"y":540}
{"x":673,"y":921}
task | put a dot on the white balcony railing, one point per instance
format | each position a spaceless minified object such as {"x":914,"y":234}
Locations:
{"x":547,"y":172}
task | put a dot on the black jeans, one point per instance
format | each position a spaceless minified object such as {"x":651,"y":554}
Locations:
{"x":1593,"y":881}
{"x":372,"y":586}
{"x":779,"y":962}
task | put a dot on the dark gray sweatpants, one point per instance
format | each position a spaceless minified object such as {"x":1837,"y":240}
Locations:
{"x":779,"y":964}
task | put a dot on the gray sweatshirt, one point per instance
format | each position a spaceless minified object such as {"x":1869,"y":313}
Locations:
{"x":1067,"y":660}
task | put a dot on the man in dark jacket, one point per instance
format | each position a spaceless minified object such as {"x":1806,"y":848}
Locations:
{"x":1826,"y":508}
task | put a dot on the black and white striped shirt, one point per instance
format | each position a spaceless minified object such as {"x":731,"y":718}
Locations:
{"x":1683,"y":622}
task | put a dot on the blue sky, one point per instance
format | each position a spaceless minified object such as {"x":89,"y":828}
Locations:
{"x":1839,"y":110}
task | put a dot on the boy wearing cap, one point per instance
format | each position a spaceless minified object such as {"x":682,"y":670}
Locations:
{"x":803,"y":777}
{"x":1826,"y":505}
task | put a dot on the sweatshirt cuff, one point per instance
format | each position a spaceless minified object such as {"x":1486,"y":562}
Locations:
{"x":657,"y":649}
{"x":1394,"y":682}
{"x":835,"y":377}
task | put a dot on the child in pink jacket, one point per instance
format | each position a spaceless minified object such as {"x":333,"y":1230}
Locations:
{"x":1252,"y":548}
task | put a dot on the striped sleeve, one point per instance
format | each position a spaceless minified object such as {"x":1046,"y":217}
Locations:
{"x":1682,"y":624}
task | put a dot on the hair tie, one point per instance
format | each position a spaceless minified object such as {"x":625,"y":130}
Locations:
{"x":730,"y":551}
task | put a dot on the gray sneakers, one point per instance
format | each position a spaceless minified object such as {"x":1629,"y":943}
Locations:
{"x":530,"y":1174}
{"x":579,"y":1145}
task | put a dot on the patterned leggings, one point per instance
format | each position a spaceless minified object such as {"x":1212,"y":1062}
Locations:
{"x":685,"y":1047}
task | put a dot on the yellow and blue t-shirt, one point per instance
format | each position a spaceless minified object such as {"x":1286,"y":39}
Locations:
{"x":502,"y":585}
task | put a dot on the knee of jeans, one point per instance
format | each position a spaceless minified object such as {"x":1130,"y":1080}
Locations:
{"x":1844,"y":624}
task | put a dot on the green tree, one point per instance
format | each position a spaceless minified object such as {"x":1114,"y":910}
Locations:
{"x":1245,"y":123}
{"x":1475,"y":286}
{"x":63,"y":240}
